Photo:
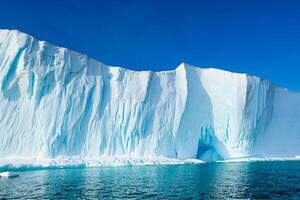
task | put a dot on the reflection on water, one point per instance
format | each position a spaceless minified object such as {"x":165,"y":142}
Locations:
{"x":216,"y":180}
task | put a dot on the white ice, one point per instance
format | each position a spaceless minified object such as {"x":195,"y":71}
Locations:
{"x":9,"y":174}
{"x":55,"y":102}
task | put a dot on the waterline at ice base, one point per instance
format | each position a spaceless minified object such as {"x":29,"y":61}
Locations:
{"x":59,"y":107}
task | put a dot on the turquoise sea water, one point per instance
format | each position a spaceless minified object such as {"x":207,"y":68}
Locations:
{"x":255,"y":180}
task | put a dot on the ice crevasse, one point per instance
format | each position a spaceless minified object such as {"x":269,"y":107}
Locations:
{"x":56,"y":102}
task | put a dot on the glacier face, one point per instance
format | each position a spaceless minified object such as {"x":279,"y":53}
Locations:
{"x":56,"y":102}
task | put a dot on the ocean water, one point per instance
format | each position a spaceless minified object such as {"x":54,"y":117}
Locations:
{"x":247,"y":180}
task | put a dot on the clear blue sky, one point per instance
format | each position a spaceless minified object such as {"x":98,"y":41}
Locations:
{"x":260,"y":37}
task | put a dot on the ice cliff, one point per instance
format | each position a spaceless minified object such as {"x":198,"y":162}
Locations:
{"x":57,"y":102}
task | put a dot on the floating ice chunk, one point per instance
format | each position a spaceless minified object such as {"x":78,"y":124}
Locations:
{"x":9,"y":174}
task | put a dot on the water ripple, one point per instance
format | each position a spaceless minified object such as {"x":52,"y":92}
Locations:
{"x":256,"y":180}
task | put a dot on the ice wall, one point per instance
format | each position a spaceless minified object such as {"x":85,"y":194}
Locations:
{"x":57,"y":102}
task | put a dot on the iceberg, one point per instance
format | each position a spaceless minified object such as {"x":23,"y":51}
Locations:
{"x":9,"y":174}
{"x":57,"y":103}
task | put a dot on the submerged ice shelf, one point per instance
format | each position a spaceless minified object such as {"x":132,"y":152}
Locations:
{"x":55,"y":102}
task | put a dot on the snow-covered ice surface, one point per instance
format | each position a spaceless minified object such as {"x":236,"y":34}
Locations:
{"x":56,"y":103}
{"x":15,"y":163}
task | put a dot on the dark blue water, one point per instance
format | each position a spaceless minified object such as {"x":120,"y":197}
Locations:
{"x":255,"y":180}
